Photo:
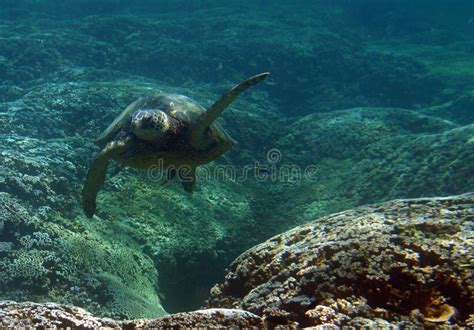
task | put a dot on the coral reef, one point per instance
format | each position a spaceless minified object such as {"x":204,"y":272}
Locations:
{"x":356,"y":151}
{"x":404,"y":262}
{"x":327,"y":55}
{"x":207,"y":318}
{"x":400,"y":264}
{"x":348,"y":133}
{"x":40,"y":172}
{"x":43,"y":257}
{"x":49,"y":315}
{"x":360,"y":156}
{"x":56,"y":316}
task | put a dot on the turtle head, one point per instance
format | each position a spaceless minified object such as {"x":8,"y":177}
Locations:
{"x":150,"y":125}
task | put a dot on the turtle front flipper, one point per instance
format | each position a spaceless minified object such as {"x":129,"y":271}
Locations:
{"x":95,"y":179}
{"x":96,"y":176}
{"x":207,"y":118}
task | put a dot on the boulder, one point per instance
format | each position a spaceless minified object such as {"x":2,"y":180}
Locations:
{"x":54,"y":316}
{"x":406,"y":262}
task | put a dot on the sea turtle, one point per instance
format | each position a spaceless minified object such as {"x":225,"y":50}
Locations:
{"x":167,"y":130}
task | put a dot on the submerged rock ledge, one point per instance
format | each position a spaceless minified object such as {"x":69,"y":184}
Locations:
{"x":50,"y":315}
{"x":403,"y":262}
{"x":400,"y":263}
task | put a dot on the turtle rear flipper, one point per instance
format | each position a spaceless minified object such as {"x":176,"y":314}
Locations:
{"x":170,"y":175}
{"x":188,"y":179}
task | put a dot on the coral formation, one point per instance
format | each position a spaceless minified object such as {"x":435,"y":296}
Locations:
{"x":401,"y":261}
{"x":401,"y":264}
{"x":207,"y":318}
{"x":54,"y":316}
{"x":45,"y":259}
{"x":49,"y":315}
{"x":328,"y":56}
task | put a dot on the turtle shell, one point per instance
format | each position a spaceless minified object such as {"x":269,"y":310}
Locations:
{"x":177,"y":106}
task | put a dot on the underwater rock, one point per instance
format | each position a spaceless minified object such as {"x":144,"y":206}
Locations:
{"x":44,"y":258}
{"x":206,"y":318}
{"x":404,"y":262}
{"x":348,"y":133}
{"x":42,"y":173}
{"x":49,"y":315}
{"x":52,"y":316}
{"x":367,"y":155}
{"x":46,"y":148}
{"x":458,"y":110}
